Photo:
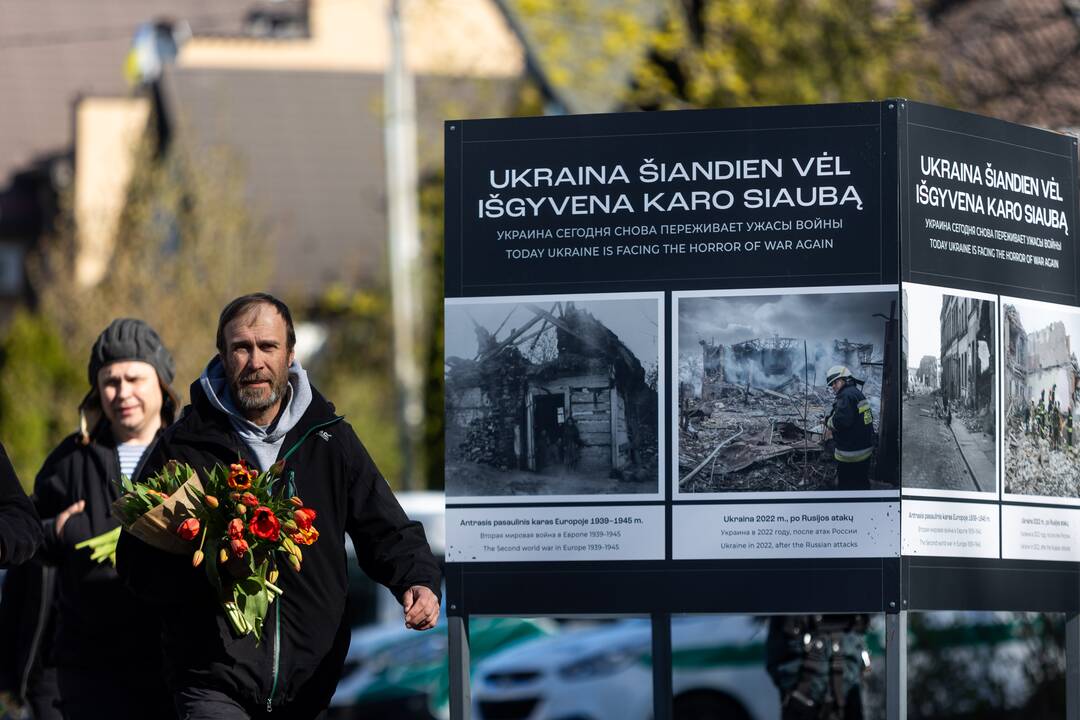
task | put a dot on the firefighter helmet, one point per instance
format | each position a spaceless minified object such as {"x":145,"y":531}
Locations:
{"x":837,"y":372}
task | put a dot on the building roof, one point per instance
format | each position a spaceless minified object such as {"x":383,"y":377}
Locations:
{"x":311,"y":148}
{"x":442,"y":37}
{"x":1018,"y":60}
{"x":53,"y":51}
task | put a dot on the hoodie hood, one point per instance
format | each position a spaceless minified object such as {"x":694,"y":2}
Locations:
{"x":264,"y":443}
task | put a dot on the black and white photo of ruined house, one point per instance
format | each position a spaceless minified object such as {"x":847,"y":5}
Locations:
{"x":552,"y":397}
{"x":950,"y":391}
{"x":753,"y":397}
{"x":1042,"y":399}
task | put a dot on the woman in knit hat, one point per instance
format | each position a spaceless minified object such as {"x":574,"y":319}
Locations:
{"x":106,"y":652}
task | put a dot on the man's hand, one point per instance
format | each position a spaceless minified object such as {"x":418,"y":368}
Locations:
{"x":65,"y":515}
{"x":421,"y":608}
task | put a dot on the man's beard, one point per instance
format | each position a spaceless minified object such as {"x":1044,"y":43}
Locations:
{"x":252,"y":400}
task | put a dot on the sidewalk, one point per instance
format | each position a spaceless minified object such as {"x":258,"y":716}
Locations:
{"x":978,"y":452}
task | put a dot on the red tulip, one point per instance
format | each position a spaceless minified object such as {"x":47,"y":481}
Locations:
{"x":264,"y":524}
{"x":189,"y":529}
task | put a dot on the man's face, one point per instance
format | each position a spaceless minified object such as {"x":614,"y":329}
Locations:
{"x":257,"y":360}
{"x":838,"y":385}
{"x":131,"y":399}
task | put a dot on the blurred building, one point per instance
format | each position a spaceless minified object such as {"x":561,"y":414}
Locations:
{"x":53,"y":54}
{"x":304,"y":117}
{"x":292,"y":89}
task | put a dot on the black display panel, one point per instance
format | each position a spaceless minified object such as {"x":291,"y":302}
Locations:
{"x":642,"y":314}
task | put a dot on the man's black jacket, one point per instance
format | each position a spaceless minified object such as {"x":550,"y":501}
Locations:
{"x":20,"y":531}
{"x":305,"y":637}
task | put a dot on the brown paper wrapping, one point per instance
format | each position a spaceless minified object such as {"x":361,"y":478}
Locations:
{"x":158,"y":527}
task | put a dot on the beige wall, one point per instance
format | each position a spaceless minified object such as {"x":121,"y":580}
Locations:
{"x":106,"y":133}
{"x":443,"y":37}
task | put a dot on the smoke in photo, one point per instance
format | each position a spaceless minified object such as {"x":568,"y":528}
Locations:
{"x":950,"y":391}
{"x":753,"y":395}
{"x":1042,"y":398}
{"x":552,"y":398}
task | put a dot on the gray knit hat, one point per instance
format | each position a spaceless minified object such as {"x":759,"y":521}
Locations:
{"x":130,"y":339}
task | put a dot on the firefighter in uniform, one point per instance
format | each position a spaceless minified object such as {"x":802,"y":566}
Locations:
{"x":1040,"y":415}
{"x":1055,"y":424}
{"x":851,"y":422}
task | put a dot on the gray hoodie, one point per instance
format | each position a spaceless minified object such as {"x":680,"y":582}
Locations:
{"x":264,"y":442}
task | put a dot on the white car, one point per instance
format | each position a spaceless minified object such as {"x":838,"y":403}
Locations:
{"x":605,"y":673}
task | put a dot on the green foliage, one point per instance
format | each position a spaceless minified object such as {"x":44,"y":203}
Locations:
{"x":730,"y":53}
{"x":664,"y":54}
{"x":42,"y":387}
{"x":432,"y":340}
{"x":355,"y":370}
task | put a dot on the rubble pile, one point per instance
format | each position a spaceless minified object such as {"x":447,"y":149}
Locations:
{"x":756,"y":439}
{"x":481,"y":444}
{"x":1033,"y":468}
{"x":975,"y":421}
{"x":488,"y":439}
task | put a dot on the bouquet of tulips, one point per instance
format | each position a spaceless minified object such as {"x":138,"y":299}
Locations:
{"x":230,"y":522}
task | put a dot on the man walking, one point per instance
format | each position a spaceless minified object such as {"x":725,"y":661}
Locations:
{"x":107,"y":656}
{"x":254,"y":401}
{"x":852,"y":424}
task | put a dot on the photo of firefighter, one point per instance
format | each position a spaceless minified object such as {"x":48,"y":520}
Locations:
{"x":781,"y":393}
{"x":1042,"y":398}
{"x":950,"y":391}
{"x":553,"y":397}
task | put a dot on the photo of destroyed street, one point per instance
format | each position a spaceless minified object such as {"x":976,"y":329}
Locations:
{"x":950,"y":391}
{"x":554,"y":397}
{"x":753,"y":396}
{"x":1042,"y":398}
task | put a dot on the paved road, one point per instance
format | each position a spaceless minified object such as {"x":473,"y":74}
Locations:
{"x":930,"y":455}
{"x":979,"y":452}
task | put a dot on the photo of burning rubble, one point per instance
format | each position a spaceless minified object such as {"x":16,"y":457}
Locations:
{"x":557,"y":397}
{"x":949,"y":436}
{"x":759,"y":379}
{"x":1042,"y":397}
